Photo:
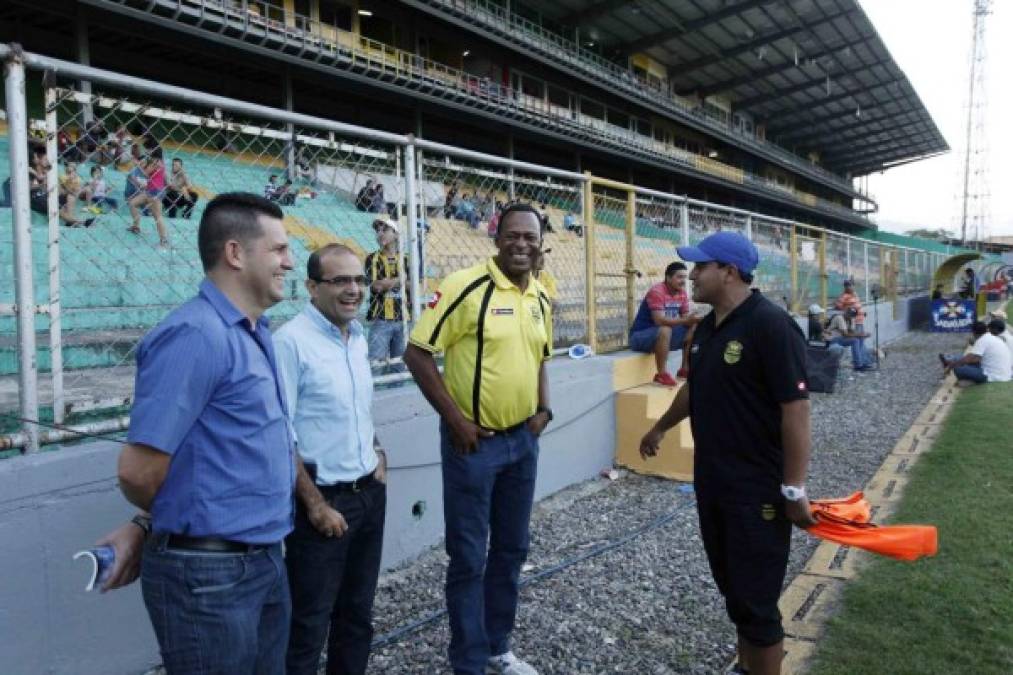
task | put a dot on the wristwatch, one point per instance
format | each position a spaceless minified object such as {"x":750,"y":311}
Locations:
{"x":793,"y":493}
{"x":143,"y":522}
{"x":545,"y":409}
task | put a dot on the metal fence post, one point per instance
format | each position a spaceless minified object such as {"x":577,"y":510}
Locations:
{"x":53,"y":209}
{"x":415,"y":258}
{"x":749,"y":226}
{"x":823,"y":268}
{"x":793,"y":257}
{"x":866,"y":272}
{"x":631,"y":272}
{"x":590,"y":303}
{"x":17,"y":125}
{"x":847,"y":259}
{"x":684,"y":223}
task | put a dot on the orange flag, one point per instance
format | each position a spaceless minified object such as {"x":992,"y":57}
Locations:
{"x":846,"y":521}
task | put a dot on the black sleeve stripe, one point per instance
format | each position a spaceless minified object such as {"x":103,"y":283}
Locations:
{"x":542,"y":301}
{"x":476,"y":399}
{"x":467,"y":289}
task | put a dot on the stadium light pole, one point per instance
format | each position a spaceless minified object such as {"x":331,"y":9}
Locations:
{"x":17,"y":125}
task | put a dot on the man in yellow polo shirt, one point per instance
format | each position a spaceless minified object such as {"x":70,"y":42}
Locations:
{"x":493,"y":322}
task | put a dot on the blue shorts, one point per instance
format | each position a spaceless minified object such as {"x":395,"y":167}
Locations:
{"x":643,"y":340}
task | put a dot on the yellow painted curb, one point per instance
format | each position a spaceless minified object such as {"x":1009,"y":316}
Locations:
{"x":810,"y":599}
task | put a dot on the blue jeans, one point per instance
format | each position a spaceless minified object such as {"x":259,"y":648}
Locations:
{"x":218,"y":613}
{"x":386,"y":341}
{"x":333,"y":582}
{"x":970,"y":371}
{"x":487,"y":497}
{"x":859,"y":357}
{"x":643,"y":340}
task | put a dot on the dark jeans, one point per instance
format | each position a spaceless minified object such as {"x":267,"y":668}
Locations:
{"x":175,"y":200}
{"x":333,"y":582}
{"x":487,"y":497}
{"x":217,"y":613}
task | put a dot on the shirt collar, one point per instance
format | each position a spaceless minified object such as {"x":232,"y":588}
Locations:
{"x":745,"y":307}
{"x":229,"y":312}
{"x":503,"y":283}
{"x":324,"y":324}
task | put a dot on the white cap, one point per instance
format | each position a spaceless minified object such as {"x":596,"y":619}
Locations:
{"x":387,"y":222}
{"x":815,"y":309}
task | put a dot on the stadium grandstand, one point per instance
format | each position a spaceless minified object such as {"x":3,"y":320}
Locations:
{"x":632,"y":127}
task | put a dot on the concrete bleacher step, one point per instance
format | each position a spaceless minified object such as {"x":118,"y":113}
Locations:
{"x":639,"y":404}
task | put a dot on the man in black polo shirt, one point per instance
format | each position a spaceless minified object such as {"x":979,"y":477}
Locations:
{"x":748,"y":404}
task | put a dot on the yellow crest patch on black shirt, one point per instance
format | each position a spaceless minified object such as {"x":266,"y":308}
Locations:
{"x":733,"y":352}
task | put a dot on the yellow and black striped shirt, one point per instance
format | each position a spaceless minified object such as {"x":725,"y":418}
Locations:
{"x":494,"y":337}
{"x":385,"y":305}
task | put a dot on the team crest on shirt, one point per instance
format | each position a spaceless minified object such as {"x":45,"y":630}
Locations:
{"x":733,"y":352}
{"x":767,"y":512}
{"x":536,"y":313}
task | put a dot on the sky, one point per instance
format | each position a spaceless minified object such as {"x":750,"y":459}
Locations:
{"x":931,"y":42}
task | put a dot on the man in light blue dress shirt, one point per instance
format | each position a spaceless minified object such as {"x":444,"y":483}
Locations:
{"x":333,"y":554}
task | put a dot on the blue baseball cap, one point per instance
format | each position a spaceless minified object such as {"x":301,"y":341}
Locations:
{"x":729,"y":248}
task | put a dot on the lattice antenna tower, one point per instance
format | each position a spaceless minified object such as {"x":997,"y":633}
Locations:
{"x":975,"y":209}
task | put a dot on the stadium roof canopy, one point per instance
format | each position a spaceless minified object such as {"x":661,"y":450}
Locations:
{"x":815,"y":72}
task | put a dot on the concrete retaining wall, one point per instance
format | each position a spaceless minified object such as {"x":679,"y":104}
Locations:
{"x":58,"y":502}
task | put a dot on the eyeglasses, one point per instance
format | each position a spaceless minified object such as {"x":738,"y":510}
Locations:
{"x":344,"y":280}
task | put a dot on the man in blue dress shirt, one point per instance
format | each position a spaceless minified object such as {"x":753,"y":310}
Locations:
{"x":333,"y":554}
{"x":210,"y":454}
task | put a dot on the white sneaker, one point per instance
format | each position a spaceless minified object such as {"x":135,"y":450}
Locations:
{"x":509,"y":664}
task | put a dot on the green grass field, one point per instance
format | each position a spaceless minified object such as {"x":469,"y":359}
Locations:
{"x":952,"y":613}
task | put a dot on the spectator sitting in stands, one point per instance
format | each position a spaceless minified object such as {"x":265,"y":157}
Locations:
{"x":100,"y":191}
{"x":304,"y":170}
{"x":997,"y":327}
{"x":119,"y":144}
{"x":449,"y":204}
{"x":150,"y":197}
{"x":285,"y":195}
{"x":180,"y":193}
{"x":494,"y":221}
{"x":664,"y":320}
{"x":571,"y":224}
{"x":988,"y":360}
{"x":544,"y":217}
{"x":379,"y":202}
{"x":364,"y":199}
{"x":271,"y":188}
{"x":848,"y":299}
{"x":842,"y":330}
{"x":70,"y":191}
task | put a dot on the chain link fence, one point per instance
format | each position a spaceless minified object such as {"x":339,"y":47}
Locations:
{"x":132,"y":179}
{"x":121,"y":174}
{"x":462,"y":201}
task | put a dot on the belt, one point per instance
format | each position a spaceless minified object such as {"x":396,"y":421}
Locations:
{"x":508,"y":430}
{"x":356,"y":485}
{"x":211,"y":544}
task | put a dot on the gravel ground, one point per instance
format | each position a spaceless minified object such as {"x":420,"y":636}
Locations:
{"x":649,"y":606}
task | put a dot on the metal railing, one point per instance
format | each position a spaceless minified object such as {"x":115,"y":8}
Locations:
{"x":567,"y":51}
{"x":92,"y":288}
{"x":289,"y":30}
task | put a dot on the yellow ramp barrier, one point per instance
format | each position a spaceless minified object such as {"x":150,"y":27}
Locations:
{"x":636,"y":410}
